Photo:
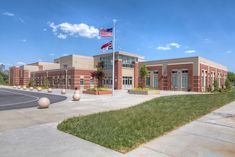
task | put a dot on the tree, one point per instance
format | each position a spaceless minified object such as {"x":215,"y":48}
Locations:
{"x":228,"y":84}
{"x":46,"y":83}
{"x":99,"y":75}
{"x":143,"y":74}
{"x":31,"y":82}
{"x":231,"y":77}
{"x":3,"y":78}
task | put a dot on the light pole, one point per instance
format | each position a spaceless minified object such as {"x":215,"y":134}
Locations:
{"x":66,"y":79}
{"x":113,"y":44}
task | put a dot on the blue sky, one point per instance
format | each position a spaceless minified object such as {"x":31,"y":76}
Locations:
{"x":41,"y":30}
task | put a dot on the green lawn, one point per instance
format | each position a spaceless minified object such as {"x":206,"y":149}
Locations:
{"x":125,"y":129}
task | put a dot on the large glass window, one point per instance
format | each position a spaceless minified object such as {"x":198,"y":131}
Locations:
{"x":106,"y":62}
{"x":147,"y":81}
{"x":155,"y":79}
{"x":92,"y":82}
{"x":174,"y":79}
{"x":185,"y":79}
{"x":81,"y":81}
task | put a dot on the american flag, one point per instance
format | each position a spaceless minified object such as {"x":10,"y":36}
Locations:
{"x":106,"y":32}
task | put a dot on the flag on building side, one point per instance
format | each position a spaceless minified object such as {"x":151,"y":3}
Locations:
{"x":107,"y":46}
{"x":106,"y":32}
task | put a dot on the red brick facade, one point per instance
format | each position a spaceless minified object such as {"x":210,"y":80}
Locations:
{"x":82,"y":79}
{"x":58,"y":78}
{"x":160,"y":76}
{"x":19,"y":76}
{"x":118,"y":74}
{"x":188,"y":67}
{"x":136,"y":74}
{"x":194,"y":82}
{"x":219,"y":75}
{"x":14,"y":79}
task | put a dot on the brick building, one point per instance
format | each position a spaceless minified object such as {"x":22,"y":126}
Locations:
{"x":185,"y":74}
{"x":74,"y":71}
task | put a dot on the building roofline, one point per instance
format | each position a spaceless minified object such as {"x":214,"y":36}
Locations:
{"x":170,"y":59}
{"x":121,"y":53}
{"x":199,"y":58}
{"x":71,"y":55}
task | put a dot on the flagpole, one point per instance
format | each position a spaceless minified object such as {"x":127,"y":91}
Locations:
{"x":113,"y":44}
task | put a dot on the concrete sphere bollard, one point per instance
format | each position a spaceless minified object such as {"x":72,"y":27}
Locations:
{"x":63,"y":91}
{"x":24,"y":88}
{"x":43,"y":102}
{"x":49,"y":90}
{"x":31,"y":88}
{"x":76,"y":97}
{"x":14,"y":87}
{"x":39,"y":89}
{"x":18,"y":87}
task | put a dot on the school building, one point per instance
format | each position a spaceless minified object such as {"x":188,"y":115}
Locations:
{"x":74,"y":71}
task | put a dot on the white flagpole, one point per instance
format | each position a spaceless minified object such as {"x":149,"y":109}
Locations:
{"x":113,"y":45}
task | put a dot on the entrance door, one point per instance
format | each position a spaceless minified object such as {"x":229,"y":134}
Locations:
{"x":127,"y":82}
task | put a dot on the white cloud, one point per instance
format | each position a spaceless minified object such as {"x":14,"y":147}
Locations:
{"x":228,"y":51}
{"x":61,"y":36}
{"x":164,"y":48}
{"x":176,"y":45}
{"x":190,"y":51}
{"x":20,"y":63}
{"x":67,"y":29}
{"x":51,"y":54}
{"x":169,"y":46}
{"x":65,"y":54}
{"x":24,"y":40}
{"x":8,"y":14}
{"x":44,"y":29}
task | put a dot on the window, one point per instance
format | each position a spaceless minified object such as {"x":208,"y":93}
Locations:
{"x":219,"y":78}
{"x":92,"y":82}
{"x":185,"y":79}
{"x":126,"y":80}
{"x":155,"y":79}
{"x":174,"y":79}
{"x":81,"y":81}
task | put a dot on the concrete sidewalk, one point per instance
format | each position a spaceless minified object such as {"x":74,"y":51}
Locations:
{"x":32,"y":132}
{"x":210,"y":136}
{"x":20,"y":118}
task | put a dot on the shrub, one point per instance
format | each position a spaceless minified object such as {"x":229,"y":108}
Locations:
{"x":209,"y":89}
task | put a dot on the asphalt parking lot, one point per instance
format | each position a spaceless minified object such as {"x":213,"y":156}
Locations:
{"x":16,"y":99}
